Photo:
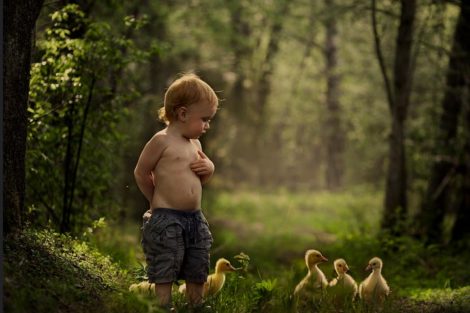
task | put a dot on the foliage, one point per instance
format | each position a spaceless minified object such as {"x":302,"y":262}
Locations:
{"x":122,"y":243}
{"x":460,"y":297}
{"x":50,"y":272}
{"x":76,"y":106}
{"x":74,"y":276}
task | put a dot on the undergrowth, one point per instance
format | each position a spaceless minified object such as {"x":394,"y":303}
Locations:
{"x":49,"y":272}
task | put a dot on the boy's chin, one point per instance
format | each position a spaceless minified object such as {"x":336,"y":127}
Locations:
{"x":193,"y":136}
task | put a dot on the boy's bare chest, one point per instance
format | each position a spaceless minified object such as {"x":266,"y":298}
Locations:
{"x":182,"y":153}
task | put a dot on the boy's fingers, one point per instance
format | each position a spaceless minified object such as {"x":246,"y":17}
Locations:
{"x":197,"y":164}
{"x":201,"y":154}
{"x":200,"y":168}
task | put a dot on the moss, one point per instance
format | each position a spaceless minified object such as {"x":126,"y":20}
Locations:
{"x":49,"y":272}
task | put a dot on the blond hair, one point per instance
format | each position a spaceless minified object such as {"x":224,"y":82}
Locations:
{"x":187,"y":90}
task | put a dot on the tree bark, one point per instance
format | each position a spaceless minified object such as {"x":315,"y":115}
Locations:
{"x":461,"y":230}
{"x":20,"y":20}
{"x":395,"y":206}
{"x":264,"y":90}
{"x":238,"y":96}
{"x":333,"y":127}
{"x":446,"y":166}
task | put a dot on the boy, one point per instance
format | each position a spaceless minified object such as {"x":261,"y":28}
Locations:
{"x":170,"y":173}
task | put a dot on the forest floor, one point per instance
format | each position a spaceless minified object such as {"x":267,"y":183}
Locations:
{"x":47,"y":272}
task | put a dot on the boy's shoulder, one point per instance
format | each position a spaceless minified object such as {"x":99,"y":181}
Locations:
{"x":160,"y":138}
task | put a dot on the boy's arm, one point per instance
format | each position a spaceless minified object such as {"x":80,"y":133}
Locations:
{"x":147,"y":161}
{"x":203,"y":166}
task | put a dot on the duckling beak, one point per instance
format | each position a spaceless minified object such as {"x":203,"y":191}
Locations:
{"x":233,"y":269}
{"x":368,"y":268}
{"x":324,"y":259}
{"x":346,"y":268}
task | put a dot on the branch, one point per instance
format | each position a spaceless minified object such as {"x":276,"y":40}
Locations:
{"x":378,"y":50}
{"x":47,"y":206}
{"x":82,"y":134}
{"x":310,"y":45}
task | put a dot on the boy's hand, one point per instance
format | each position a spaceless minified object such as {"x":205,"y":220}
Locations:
{"x":147,"y":215}
{"x":202,"y":166}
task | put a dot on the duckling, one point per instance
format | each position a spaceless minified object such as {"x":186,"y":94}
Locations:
{"x":315,"y":279}
{"x":214,"y":282}
{"x":143,"y":287}
{"x":343,"y":286}
{"x":374,"y":288}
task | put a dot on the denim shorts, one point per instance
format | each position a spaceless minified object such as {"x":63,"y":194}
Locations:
{"x":176,"y":245}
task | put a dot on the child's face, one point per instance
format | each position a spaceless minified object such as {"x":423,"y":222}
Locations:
{"x":198,"y":117}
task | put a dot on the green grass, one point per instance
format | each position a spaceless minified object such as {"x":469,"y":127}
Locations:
{"x":46,"y":272}
{"x":303,"y":214}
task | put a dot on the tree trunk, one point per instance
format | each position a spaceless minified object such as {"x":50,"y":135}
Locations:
{"x":334,"y":133}
{"x":264,"y":90}
{"x":399,"y":98}
{"x":445,"y":166}
{"x":461,"y":230}
{"x":238,"y":97}
{"x":20,"y":19}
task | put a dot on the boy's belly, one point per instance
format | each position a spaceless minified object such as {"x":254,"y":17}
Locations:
{"x":180,"y":191}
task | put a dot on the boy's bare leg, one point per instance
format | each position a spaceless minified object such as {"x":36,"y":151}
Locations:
{"x":194,"y":293}
{"x":163,"y":292}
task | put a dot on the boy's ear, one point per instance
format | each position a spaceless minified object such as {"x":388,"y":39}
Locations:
{"x":182,"y":113}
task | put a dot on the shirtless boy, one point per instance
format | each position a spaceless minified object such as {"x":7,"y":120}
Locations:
{"x":170,"y":173}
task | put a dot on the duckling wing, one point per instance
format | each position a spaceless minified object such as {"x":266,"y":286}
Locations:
{"x":133,"y":288}
{"x":323,"y":281}
{"x":363,"y":287}
{"x":333,"y":282}
{"x":351,"y":283}
{"x":142,"y":288}
{"x":182,"y":289}
{"x":383,"y":287}
{"x":214,"y":284}
{"x":301,"y":286}
{"x":207,"y":286}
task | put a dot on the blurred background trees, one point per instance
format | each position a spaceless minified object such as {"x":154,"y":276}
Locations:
{"x":314,"y":96}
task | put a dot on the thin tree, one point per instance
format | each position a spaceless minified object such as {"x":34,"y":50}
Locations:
{"x":20,"y":20}
{"x":398,"y":98}
{"x":264,"y":84}
{"x":333,"y":126}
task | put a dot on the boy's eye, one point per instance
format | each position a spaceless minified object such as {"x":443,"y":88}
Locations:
{"x":206,"y":120}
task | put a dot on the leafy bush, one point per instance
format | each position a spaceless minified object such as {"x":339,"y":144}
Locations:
{"x":75,"y":110}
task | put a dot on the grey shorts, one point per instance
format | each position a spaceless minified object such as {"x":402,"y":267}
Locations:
{"x":176,"y":245}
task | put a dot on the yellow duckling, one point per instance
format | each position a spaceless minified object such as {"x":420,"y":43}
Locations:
{"x":343,"y":286}
{"x":374,"y":289}
{"x":315,"y":279}
{"x":143,"y":287}
{"x":215,"y":281}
